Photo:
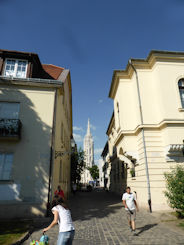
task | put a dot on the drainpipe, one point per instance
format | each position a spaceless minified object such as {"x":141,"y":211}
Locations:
{"x":52,"y":149}
{"x":143,"y":137}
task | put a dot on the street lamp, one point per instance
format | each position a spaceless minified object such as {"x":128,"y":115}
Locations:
{"x":72,"y":142}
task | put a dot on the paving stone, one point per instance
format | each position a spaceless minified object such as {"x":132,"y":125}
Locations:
{"x":100,"y":219}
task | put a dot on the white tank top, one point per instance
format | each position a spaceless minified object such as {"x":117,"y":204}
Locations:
{"x":65,"y":220}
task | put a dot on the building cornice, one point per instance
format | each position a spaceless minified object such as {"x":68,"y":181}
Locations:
{"x":31,"y":82}
{"x":110,"y":124}
{"x":160,"y":125}
{"x":105,"y":150}
{"x":153,"y":57}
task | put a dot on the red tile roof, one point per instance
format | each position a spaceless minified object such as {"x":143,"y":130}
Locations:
{"x":52,"y":70}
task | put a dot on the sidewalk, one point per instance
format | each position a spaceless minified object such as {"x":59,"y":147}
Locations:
{"x":100,"y":219}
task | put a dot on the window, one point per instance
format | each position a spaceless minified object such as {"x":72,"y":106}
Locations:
{"x":117,"y":171}
{"x":9,"y":110}
{"x":60,"y":171}
{"x":6,"y":160}
{"x":15,"y":68}
{"x":122,"y":170}
{"x":181,"y":90}
{"x":117,"y":105}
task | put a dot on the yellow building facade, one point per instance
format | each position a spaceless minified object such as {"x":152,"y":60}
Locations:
{"x":35,"y":126}
{"x":148,"y":130}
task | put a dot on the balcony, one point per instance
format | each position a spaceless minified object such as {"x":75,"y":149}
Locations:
{"x":10,"y":129}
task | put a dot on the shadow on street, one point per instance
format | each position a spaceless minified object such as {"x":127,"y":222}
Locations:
{"x":98,"y":204}
{"x":145,"y":228}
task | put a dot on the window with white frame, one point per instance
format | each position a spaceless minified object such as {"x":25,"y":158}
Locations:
{"x":181,"y":90}
{"x":15,"y":68}
{"x":6,"y":160}
{"x":9,"y":110}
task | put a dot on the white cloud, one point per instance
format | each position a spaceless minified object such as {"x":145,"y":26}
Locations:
{"x":99,"y":162}
{"x":78,"y":137}
{"x":75,"y":128}
{"x":92,"y":127}
{"x":95,"y":137}
{"x":98,"y":151}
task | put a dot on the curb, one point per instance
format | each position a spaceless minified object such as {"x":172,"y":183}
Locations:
{"x":37,"y":223}
{"x":24,"y":238}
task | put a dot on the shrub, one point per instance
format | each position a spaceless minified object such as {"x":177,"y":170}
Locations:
{"x":175,"y":188}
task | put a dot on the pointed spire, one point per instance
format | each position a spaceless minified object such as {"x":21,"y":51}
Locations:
{"x":88,"y":130}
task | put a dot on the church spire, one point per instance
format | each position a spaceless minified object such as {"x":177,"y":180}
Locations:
{"x":88,"y":130}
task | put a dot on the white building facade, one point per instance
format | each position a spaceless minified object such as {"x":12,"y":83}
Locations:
{"x":101,"y":173}
{"x":146,"y":133}
{"x":89,"y":155}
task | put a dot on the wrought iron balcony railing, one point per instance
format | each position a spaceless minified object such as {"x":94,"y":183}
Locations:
{"x":10,"y":128}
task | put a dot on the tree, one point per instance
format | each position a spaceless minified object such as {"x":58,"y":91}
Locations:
{"x":94,"y":171}
{"x":175,"y":188}
{"x":77,"y":165}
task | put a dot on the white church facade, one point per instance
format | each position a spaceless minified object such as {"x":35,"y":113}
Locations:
{"x":89,"y":155}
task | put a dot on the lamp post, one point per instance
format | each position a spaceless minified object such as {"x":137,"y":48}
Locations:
{"x":143,"y":136}
{"x":73,"y":144}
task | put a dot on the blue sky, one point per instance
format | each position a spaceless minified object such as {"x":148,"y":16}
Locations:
{"x":91,"y":38}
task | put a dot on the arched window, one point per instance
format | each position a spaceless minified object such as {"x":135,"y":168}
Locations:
{"x":181,"y":90}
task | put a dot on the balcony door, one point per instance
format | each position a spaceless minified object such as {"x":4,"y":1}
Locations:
{"x":9,"y":110}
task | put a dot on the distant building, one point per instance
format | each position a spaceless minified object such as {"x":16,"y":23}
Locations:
{"x":114,"y":167}
{"x":101,"y":174}
{"x":106,"y":167}
{"x":146,"y":133}
{"x":89,"y":155}
{"x":35,"y":127}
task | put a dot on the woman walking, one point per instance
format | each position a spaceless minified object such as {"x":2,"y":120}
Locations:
{"x":62,"y":216}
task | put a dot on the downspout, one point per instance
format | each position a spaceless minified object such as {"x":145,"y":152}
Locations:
{"x":143,"y":137}
{"x":52,"y":150}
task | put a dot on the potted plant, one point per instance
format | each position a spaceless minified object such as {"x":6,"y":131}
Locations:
{"x":132,"y":172}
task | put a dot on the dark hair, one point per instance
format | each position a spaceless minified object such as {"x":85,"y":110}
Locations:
{"x":128,"y":187}
{"x":58,"y":200}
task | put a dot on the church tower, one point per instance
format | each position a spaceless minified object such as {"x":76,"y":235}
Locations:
{"x":89,"y":154}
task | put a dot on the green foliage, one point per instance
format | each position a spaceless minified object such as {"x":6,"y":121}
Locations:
{"x":77,"y":165}
{"x":181,"y":224}
{"x":11,"y":232}
{"x":132,"y":172}
{"x":175,"y":188}
{"x":94,"y":171}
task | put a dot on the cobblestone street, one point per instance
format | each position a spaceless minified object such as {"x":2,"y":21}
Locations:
{"x":99,"y":218}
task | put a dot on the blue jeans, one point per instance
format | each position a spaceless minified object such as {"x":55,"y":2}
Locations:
{"x":65,"y":238}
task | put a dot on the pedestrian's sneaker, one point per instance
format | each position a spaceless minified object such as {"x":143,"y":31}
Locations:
{"x":134,"y":233}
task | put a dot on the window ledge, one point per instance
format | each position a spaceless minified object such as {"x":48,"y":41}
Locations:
{"x":180,"y":109}
{"x":6,"y":181}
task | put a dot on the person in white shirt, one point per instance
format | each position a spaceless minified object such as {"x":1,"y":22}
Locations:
{"x":62,"y":216}
{"x":129,"y":201}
